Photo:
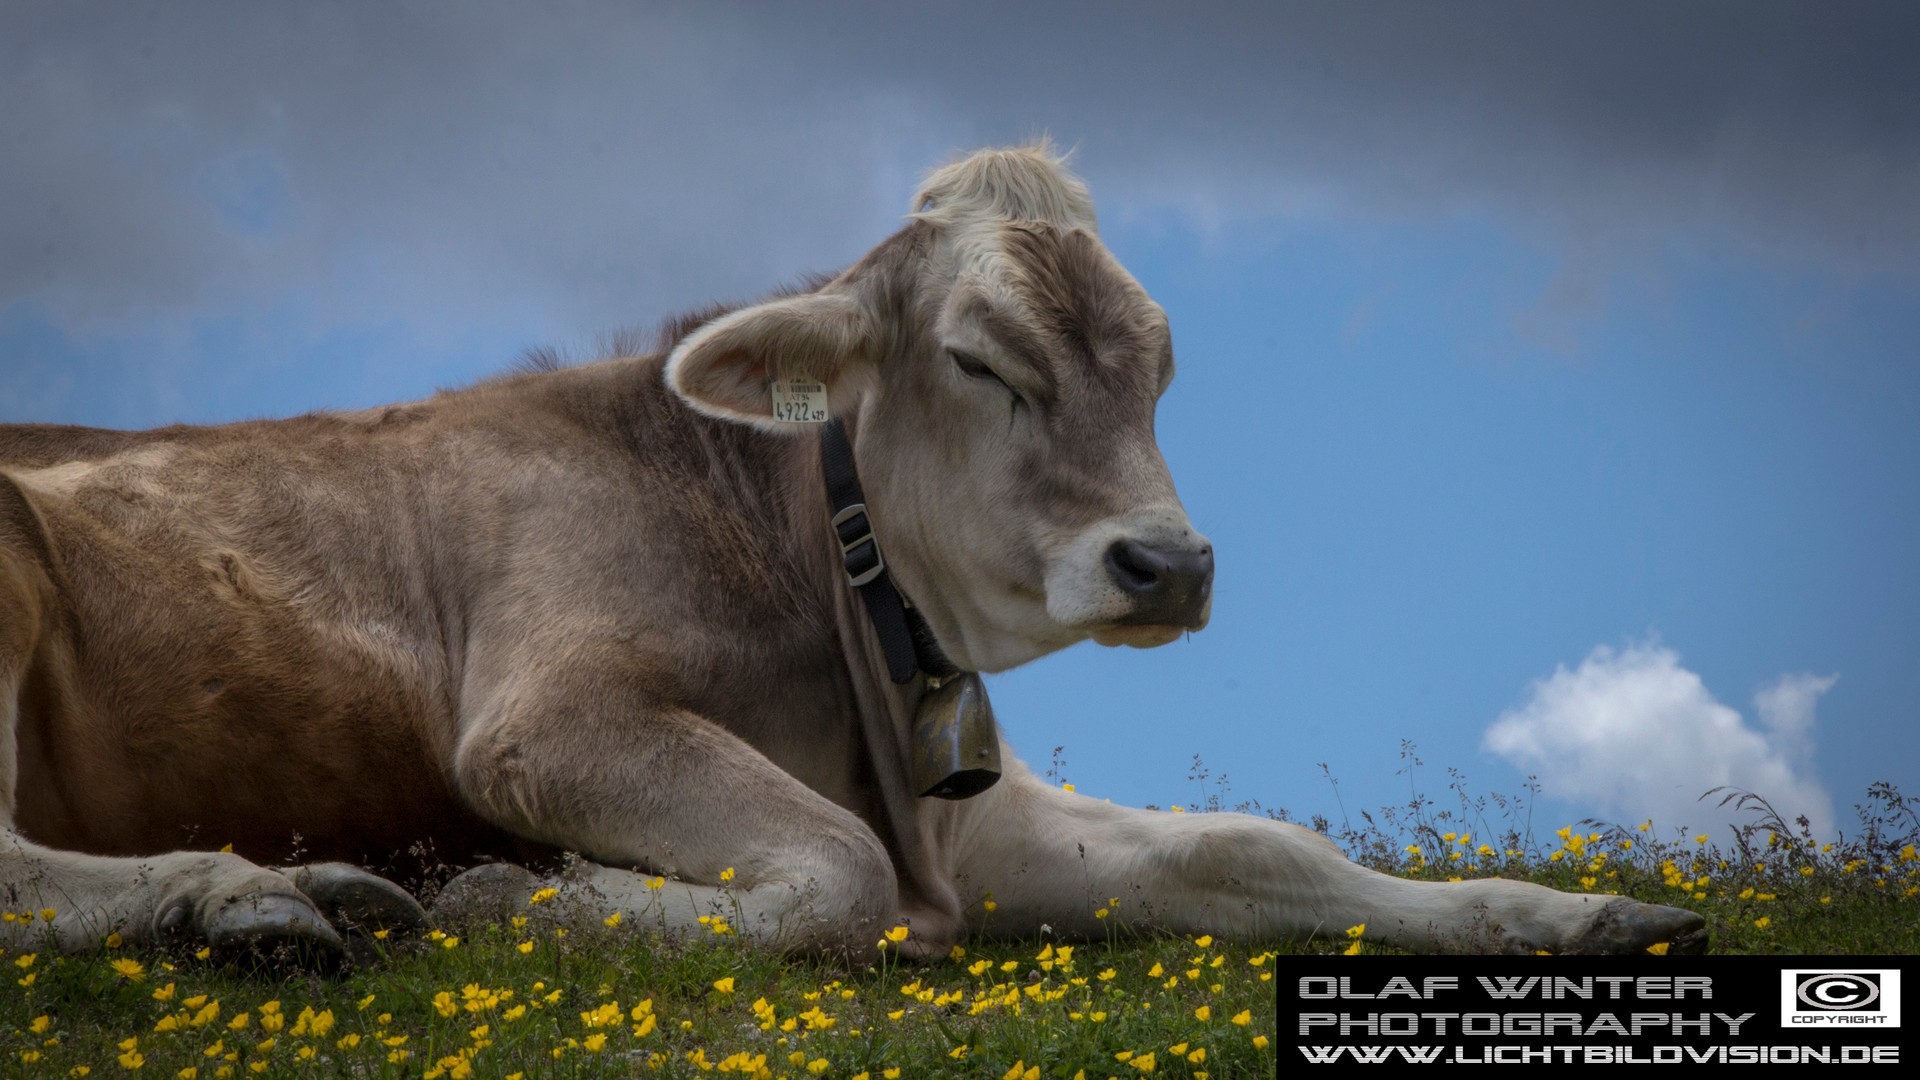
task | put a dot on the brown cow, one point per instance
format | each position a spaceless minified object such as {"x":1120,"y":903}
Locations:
{"x":607,"y":609}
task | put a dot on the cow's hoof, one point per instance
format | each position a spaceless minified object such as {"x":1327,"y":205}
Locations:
{"x":1627,"y":926}
{"x":489,"y":893}
{"x":351,"y":898}
{"x":272,"y":929}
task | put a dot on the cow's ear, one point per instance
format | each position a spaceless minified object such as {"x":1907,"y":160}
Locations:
{"x":729,"y":367}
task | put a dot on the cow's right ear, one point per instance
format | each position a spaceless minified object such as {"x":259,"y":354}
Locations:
{"x":728,"y":367}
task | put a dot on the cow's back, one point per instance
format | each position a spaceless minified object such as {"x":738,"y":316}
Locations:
{"x":243,"y":643}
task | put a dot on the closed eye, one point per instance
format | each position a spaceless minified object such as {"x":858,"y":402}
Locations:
{"x":972,"y":368}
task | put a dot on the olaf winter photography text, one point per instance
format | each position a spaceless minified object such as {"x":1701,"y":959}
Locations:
{"x":999,"y":540}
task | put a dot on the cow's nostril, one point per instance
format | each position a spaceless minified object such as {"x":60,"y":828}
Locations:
{"x":1134,"y":566}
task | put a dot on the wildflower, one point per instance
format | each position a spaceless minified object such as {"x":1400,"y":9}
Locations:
{"x":726,"y":875}
{"x":543,"y":895}
{"x":1203,"y":1014}
{"x":525,"y":946}
{"x":595,"y":1043}
{"x":129,"y":969}
{"x":1701,"y":839}
{"x":1259,"y":1042}
{"x":114,"y":940}
{"x":612,"y":920}
{"x":989,"y":904}
{"x":1143,"y":1062}
{"x":1761,"y":922}
{"x":1356,"y":931}
{"x":1205,"y":941}
{"x":725,"y":985}
{"x":24,"y":960}
{"x":1658,"y":948}
{"x":655,"y":883}
{"x":897,"y":934}
{"x":1243,"y":1018}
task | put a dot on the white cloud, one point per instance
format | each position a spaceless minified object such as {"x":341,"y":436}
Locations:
{"x":1632,"y":734}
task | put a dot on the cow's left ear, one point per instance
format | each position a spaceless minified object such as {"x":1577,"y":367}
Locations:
{"x":729,"y":367}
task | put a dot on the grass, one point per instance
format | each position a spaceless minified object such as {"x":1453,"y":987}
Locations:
{"x":537,"y":999}
{"x":615,"y":1001}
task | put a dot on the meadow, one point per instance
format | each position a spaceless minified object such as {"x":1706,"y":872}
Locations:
{"x":541,"y":995}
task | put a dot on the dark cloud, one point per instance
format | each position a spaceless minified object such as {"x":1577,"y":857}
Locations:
{"x":606,"y":162}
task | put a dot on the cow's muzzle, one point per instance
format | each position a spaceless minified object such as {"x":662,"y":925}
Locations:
{"x":1168,"y":585}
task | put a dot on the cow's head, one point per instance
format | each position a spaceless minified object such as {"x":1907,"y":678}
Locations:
{"x":998,"y":372}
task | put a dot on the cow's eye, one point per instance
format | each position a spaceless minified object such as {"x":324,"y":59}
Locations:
{"x":971,"y":367}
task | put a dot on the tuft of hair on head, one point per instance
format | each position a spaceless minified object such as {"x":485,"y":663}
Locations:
{"x":1017,"y":183}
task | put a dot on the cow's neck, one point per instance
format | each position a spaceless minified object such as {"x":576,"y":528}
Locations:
{"x":777,"y":483}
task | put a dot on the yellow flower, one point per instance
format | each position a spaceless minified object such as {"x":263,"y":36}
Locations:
{"x":726,"y":875}
{"x":1761,"y":922}
{"x":1243,"y":1018}
{"x":725,"y":985}
{"x":1701,"y":839}
{"x":655,"y":883}
{"x":1202,"y":1014}
{"x":132,"y":1060}
{"x":525,"y":946}
{"x":24,"y":960}
{"x":1356,"y":931}
{"x":612,"y":920}
{"x":1205,"y":941}
{"x":543,"y":895}
{"x":1658,"y":948}
{"x":114,"y":940}
{"x":1259,"y":1042}
{"x":595,"y":1043}
{"x":1144,"y":1063}
{"x":897,"y":934}
{"x":129,"y":969}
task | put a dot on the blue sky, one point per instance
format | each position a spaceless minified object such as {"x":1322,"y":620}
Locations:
{"x":1548,"y":379}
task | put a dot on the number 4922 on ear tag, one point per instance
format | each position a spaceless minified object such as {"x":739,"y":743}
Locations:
{"x":801,"y":401}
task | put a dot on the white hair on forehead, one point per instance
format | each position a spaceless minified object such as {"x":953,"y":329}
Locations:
{"x":1019,"y":183}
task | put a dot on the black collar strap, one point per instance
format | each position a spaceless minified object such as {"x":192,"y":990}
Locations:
{"x":905,"y":639}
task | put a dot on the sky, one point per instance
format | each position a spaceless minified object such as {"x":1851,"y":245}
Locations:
{"x":1549,"y":374}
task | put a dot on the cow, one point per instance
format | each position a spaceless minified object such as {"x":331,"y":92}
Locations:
{"x":683,"y":613}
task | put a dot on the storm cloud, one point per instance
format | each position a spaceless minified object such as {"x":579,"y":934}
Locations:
{"x":602,"y":162}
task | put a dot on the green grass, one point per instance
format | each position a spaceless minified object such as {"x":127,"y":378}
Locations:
{"x":618,"y":1001}
{"x":568,"y":1008}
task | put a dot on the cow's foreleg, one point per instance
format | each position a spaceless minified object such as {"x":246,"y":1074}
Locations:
{"x":714,"y":828}
{"x":1054,"y":857}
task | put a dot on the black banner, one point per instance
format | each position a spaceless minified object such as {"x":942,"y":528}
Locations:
{"x":1527,"y":1010}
